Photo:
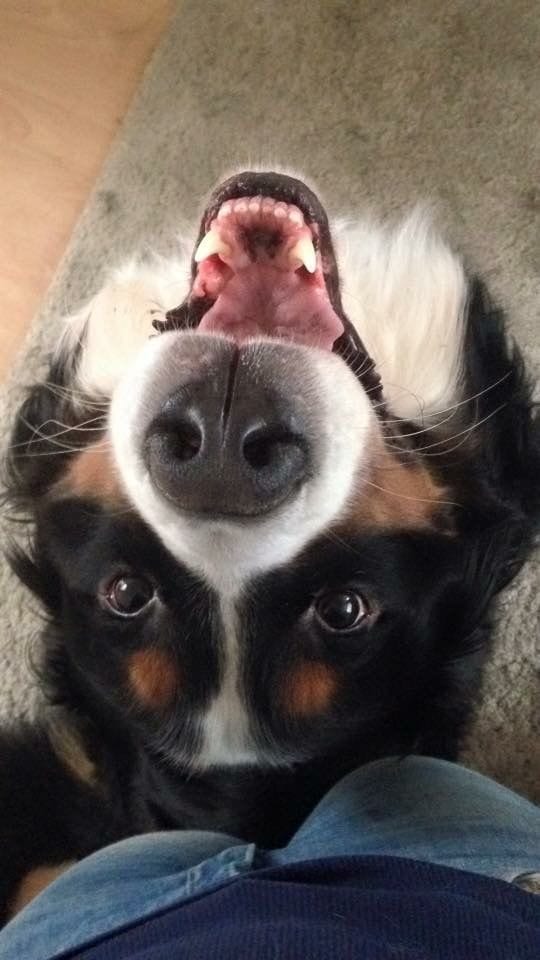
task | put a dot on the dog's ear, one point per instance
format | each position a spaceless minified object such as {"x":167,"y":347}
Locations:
{"x":462,"y":623}
{"x":485,"y":561}
{"x":33,"y":569}
{"x":50,"y":426}
{"x":506,"y":434}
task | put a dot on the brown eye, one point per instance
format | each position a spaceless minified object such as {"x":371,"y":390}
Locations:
{"x":128,"y":595}
{"x":340,"y":610}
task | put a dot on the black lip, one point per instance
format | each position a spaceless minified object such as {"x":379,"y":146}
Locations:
{"x":290,"y":190}
{"x":276,"y":185}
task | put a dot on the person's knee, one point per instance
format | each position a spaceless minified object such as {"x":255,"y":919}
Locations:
{"x":418,"y":775}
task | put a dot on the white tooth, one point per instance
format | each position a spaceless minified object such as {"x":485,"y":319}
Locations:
{"x":211,"y":243}
{"x":225,"y":210}
{"x":304,"y":251}
{"x":296,"y":216}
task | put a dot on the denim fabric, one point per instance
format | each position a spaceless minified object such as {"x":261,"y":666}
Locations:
{"x":416,"y":808}
{"x":423,"y":809}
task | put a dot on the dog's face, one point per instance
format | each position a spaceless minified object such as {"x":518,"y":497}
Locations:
{"x":250,"y":560}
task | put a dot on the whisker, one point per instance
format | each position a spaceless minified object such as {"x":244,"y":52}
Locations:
{"x":64,"y":448}
{"x":405,"y":496}
{"x":334,"y":538}
{"x":38,"y":436}
{"x":459,"y":403}
{"x":437,"y":443}
{"x":75,"y":396}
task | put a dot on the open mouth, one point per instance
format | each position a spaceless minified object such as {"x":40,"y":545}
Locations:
{"x":259,"y":263}
{"x":264,"y":267}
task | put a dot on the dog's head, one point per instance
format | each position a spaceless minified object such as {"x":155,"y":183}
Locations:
{"x":250,"y":556}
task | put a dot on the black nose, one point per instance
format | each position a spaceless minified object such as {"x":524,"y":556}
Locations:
{"x":227,"y":445}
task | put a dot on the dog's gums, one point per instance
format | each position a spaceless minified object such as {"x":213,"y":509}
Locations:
{"x":258,"y":263}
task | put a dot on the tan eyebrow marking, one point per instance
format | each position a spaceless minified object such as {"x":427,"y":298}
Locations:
{"x":154,"y":677}
{"x":309,"y":688}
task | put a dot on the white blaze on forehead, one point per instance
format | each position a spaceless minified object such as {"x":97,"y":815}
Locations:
{"x":227,"y":737}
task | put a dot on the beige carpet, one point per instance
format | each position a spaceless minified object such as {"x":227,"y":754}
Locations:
{"x":382,"y":103}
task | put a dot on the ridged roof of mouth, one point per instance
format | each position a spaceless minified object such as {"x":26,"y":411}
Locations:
{"x":260,"y":267}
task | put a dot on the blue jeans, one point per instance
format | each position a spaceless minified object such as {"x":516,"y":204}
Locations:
{"x":418,"y":808}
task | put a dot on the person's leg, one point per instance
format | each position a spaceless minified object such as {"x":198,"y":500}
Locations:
{"x":417,"y":807}
{"x":424,"y":809}
{"x":122,"y":884}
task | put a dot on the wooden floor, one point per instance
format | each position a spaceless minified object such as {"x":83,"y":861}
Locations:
{"x":68,"y":70}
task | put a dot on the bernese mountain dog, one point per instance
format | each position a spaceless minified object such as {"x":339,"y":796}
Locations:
{"x":273,"y":487}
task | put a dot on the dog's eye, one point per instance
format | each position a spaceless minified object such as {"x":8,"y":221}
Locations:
{"x":340,"y":610}
{"x":128,"y":595}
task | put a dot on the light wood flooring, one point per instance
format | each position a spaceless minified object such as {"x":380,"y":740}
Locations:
{"x":68,"y":70}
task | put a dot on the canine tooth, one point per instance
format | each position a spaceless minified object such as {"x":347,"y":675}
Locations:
{"x":280,"y":210}
{"x":211,"y":243}
{"x":304,"y":251}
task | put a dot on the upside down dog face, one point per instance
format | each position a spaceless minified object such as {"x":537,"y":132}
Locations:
{"x":253,"y":563}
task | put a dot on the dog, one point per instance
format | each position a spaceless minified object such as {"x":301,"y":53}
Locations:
{"x":273,"y":489}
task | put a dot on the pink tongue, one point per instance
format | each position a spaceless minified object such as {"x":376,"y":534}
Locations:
{"x":262,"y":301}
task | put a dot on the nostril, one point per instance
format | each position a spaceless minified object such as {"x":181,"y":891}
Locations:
{"x":264,"y":447}
{"x":259,"y":450}
{"x":181,"y":440}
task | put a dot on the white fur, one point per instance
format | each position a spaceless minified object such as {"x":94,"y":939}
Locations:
{"x":117,"y":322}
{"x":405,"y":291}
{"x":227,"y":737}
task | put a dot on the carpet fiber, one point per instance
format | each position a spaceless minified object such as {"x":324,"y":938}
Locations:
{"x":381,"y":103}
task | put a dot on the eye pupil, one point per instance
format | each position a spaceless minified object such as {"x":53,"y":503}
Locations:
{"x":340,"y":610}
{"x":129,"y":595}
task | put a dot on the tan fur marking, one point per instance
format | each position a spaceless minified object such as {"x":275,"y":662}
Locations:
{"x":396,"y":496}
{"x":70,"y":750}
{"x":33,"y":883}
{"x":153,"y":677}
{"x":309,"y":689}
{"x":92,"y":474}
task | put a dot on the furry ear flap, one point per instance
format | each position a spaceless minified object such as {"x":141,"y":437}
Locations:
{"x":480,"y":564}
{"x":49,"y":427}
{"x":37,"y":575}
{"x":508,"y":438}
